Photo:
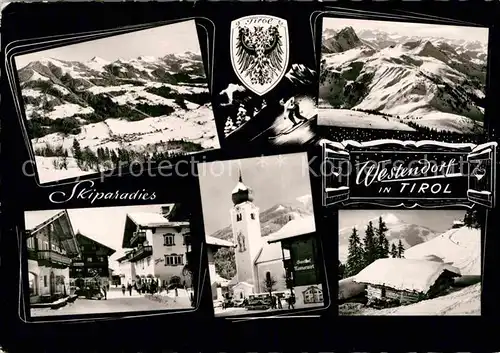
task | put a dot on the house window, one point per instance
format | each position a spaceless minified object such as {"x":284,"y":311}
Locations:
{"x":89,"y":259}
{"x":168,"y":240}
{"x":252,"y":215}
{"x":174,"y":260}
{"x":238,"y":217}
{"x":45,"y":281}
{"x":31,"y":243}
{"x":101,"y":259}
{"x":45,"y":245}
{"x":32,"y":283}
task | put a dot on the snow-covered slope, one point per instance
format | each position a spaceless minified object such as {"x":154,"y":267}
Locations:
{"x":409,"y":234}
{"x":461,"y":247}
{"x":145,"y":105}
{"x":430,"y":82}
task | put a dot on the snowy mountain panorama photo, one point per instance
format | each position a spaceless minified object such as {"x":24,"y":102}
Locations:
{"x":131,"y":97}
{"x":257,"y":213}
{"x":402,"y":76}
{"x":411,"y":262}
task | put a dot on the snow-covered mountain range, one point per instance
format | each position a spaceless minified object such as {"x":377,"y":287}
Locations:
{"x":142,"y":106}
{"x":401,"y":82}
{"x":409,"y":234}
{"x":278,"y":216}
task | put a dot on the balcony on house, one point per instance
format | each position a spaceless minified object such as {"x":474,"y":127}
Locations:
{"x":138,"y":238}
{"x":140,"y":253}
{"x":54,"y":257}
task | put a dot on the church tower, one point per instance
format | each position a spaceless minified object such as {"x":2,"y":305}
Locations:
{"x":246,"y":232}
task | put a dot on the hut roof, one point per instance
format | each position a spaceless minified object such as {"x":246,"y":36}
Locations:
{"x":404,"y":274}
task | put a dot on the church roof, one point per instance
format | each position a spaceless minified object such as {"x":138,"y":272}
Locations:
{"x":241,"y":193}
{"x":296,"y":227}
{"x":270,"y":252}
{"x":239,"y":187}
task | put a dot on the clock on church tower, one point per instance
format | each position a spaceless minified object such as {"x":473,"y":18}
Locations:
{"x":246,"y":231}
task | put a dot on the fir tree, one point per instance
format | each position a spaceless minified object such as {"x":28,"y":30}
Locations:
{"x":394,"y":251}
{"x":341,"y":270}
{"x":471,"y":219}
{"x":401,"y":249}
{"x":381,"y":241}
{"x":77,"y":151}
{"x":355,"y":259}
{"x":370,"y":243}
{"x":386,"y":248}
{"x":468,"y":219}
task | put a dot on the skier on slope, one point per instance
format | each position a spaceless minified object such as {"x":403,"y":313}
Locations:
{"x":292,"y":111}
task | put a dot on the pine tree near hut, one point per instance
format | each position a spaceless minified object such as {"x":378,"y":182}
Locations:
{"x":382,"y":243}
{"x":341,"y":270}
{"x":471,"y":219}
{"x":355,"y":257}
{"x":401,"y":249}
{"x":394,"y":251}
{"x":370,"y":245}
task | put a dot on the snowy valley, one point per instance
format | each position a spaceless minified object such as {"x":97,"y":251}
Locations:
{"x":379,"y":80}
{"x":85,"y":117}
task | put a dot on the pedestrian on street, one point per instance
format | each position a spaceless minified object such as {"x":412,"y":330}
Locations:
{"x":278,"y":298}
{"x":176,"y":294}
{"x":104,"y":289}
{"x":129,"y":287}
{"x":291,"y":301}
{"x":273,"y":302}
{"x":123,"y":289}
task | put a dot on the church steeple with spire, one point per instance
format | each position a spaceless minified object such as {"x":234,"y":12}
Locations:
{"x":247,"y":235}
{"x":241,"y":193}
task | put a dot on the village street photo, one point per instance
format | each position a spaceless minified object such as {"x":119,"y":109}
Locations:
{"x":409,"y":262}
{"x":138,"y":96}
{"x":263,"y":252}
{"x":109,"y":260}
{"x":413,"y":77}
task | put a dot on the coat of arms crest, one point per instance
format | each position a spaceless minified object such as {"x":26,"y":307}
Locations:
{"x":260,"y":51}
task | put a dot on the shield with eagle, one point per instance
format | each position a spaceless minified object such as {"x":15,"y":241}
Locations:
{"x":260,"y":51}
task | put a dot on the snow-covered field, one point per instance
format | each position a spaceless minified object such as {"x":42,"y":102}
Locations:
{"x":196,"y":126}
{"x":460,"y":247}
{"x":357,"y":119}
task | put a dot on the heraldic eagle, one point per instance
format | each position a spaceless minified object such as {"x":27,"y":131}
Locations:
{"x":259,"y":53}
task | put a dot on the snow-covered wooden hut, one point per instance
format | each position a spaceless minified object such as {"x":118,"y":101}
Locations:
{"x":406,"y":280}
